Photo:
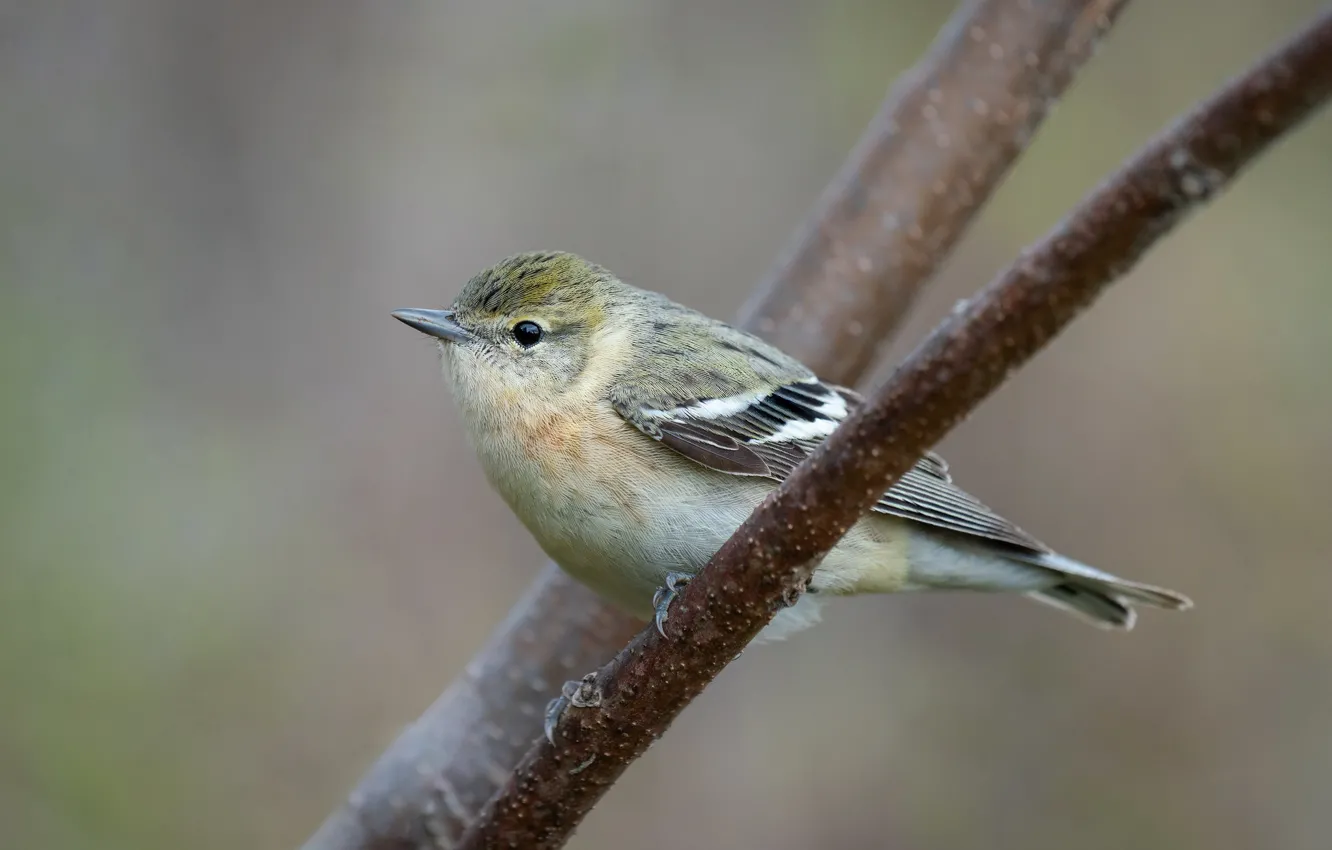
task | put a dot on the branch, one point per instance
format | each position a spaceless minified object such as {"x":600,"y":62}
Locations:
{"x":944,"y":138}
{"x":984,"y":87}
{"x":774,"y":553}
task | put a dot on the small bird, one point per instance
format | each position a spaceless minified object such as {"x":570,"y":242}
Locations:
{"x":632,"y":435}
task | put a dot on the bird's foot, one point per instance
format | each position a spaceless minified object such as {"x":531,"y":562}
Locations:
{"x":577,"y":694}
{"x":662,"y":599}
{"x":792,"y":595}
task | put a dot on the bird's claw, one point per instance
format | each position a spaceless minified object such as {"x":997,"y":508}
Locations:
{"x":554,"y":710}
{"x":584,"y":693}
{"x":662,"y":599}
{"x":791,"y":595}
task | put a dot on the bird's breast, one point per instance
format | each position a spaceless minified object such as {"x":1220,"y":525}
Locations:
{"x":612,"y":506}
{"x":553,"y":467}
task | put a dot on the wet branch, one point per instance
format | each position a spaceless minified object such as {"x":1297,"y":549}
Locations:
{"x":940,"y":144}
{"x":773,"y":554}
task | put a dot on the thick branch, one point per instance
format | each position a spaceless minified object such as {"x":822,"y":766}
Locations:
{"x":956,"y":121}
{"x":775,"y":551}
{"x":942,"y":141}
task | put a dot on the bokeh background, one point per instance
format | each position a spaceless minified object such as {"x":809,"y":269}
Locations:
{"x":242,"y":541}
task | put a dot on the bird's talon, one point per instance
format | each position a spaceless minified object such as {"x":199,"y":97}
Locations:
{"x":791,"y":595}
{"x":662,"y":599}
{"x":583,"y":694}
{"x":554,"y":710}
{"x":575,"y":693}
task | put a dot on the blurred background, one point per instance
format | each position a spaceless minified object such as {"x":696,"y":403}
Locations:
{"x":242,"y":541}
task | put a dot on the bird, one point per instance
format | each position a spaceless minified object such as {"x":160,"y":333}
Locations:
{"x":631,"y":436}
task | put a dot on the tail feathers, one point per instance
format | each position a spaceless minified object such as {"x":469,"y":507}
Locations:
{"x":1100,"y":597}
{"x":1097,"y":607}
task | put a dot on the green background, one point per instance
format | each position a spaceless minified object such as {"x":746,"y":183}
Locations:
{"x":242,"y":541}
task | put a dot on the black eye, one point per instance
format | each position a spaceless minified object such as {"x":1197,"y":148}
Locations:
{"x":528,"y":334}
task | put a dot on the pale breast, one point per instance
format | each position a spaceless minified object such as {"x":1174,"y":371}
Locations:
{"x":618,"y":510}
{"x":614,"y":508}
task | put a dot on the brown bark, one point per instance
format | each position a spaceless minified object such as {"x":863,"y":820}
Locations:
{"x":939,"y":146}
{"x":942,"y":141}
{"x":772,"y":555}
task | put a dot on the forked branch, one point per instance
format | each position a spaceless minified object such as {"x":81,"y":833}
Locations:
{"x":942,"y":141}
{"x":771,"y":557}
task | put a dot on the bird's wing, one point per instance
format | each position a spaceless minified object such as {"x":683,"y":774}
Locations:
{"x":769,"y":434}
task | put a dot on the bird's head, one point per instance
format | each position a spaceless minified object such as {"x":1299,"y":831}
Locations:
{"x":524,"y":329}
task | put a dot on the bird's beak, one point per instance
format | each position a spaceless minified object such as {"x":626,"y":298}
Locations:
{"x":436,"y":323}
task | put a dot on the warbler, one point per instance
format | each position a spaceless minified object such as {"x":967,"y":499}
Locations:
{"x":632,"y":435}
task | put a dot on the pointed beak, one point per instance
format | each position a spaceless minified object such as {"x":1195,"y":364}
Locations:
{"x":436,"y":323}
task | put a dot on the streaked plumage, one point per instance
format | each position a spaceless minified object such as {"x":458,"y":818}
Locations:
{"x":637,"y":434}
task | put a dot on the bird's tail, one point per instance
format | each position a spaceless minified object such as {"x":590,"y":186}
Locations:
{"x":1103,"y":599}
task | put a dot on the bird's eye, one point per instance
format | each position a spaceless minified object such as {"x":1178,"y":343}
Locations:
{"x":527,"y":334}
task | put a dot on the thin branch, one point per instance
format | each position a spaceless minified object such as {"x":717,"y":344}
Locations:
{"x":767,"y":562}
{"x":957,"y":120}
